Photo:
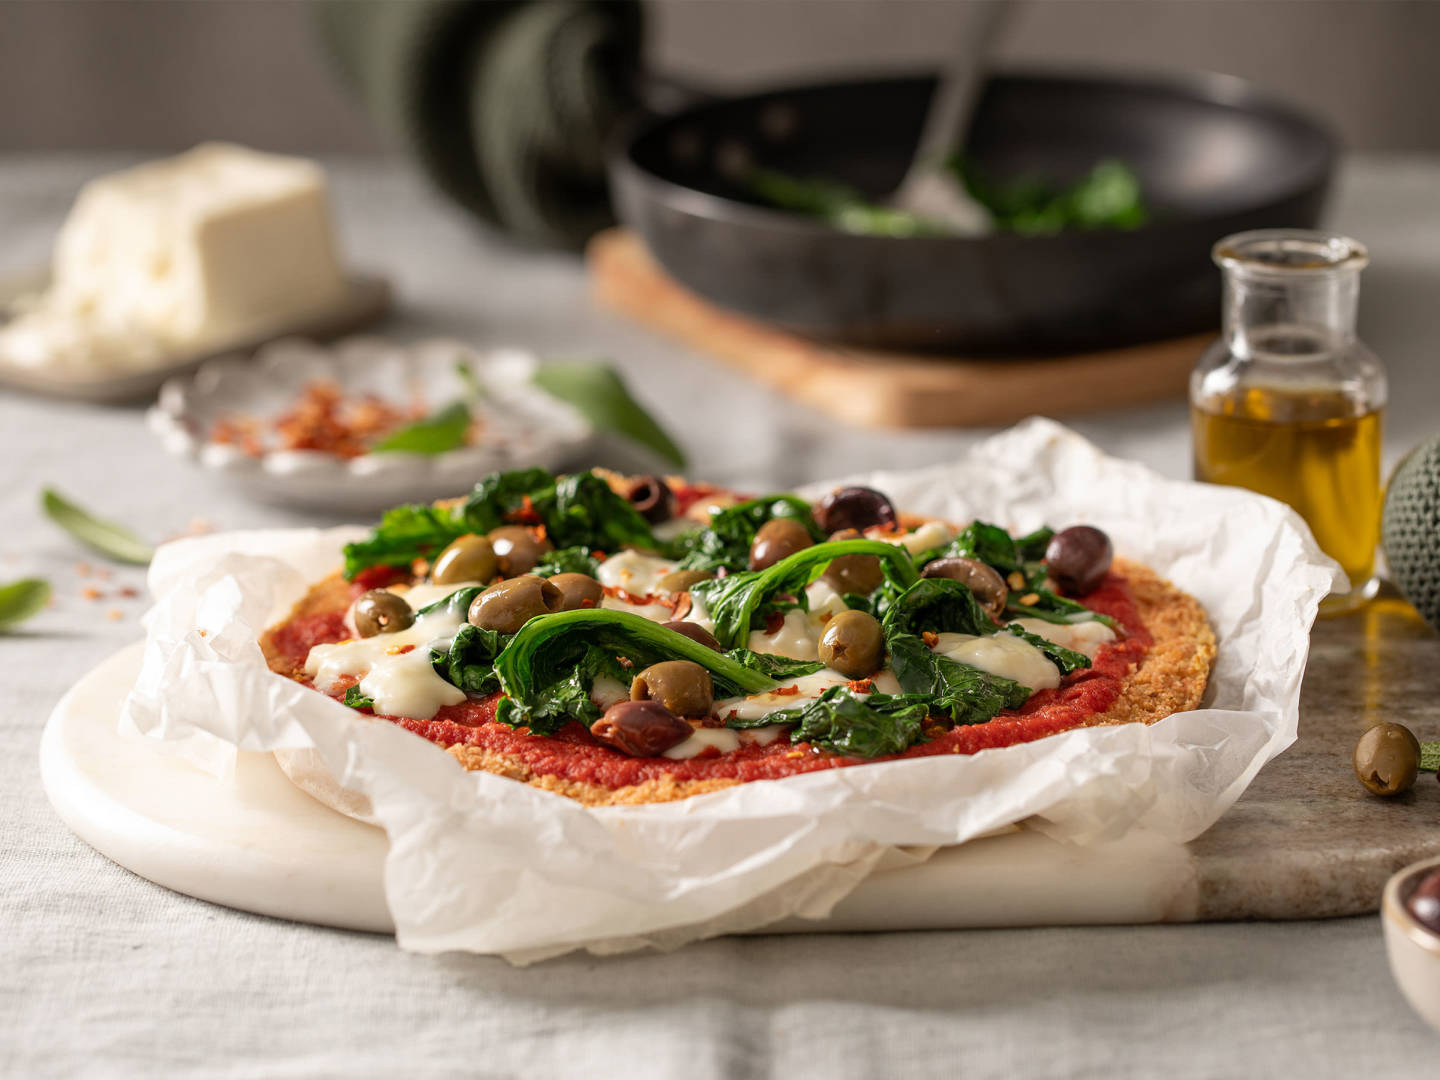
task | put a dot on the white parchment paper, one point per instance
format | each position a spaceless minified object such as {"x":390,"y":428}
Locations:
{"x":485,"y":864}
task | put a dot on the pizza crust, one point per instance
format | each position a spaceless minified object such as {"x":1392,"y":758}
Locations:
{"x":1172,"y":678}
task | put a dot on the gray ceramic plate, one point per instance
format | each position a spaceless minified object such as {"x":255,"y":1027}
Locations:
{"x":367,"y":302}
{"x":521,"y":425}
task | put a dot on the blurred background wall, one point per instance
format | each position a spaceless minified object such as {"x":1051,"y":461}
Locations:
{"x":163,"y":74}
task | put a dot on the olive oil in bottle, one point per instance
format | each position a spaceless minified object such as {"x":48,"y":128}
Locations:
{"x":1288,"y":403}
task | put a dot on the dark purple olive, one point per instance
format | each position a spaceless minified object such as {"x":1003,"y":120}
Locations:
{"x":1078,"y":559}
{"x":695,"y":632}
{"x":987,"y":585}
{"x":854,"y":508}
{"x":1424,"y":902}
{"x":652,"y":497}
{"x":640,"y":728}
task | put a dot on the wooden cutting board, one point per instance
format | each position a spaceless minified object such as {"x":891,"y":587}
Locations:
{"x":878,"y":388}
{"x":1304,"y":841}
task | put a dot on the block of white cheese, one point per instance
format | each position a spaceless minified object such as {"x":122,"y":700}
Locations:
{"x":211,"y":246}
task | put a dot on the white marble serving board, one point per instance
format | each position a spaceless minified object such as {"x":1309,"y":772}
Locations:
{"x":259,"y":844}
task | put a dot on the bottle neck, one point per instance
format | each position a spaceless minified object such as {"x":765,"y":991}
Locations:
{"x":1283,"y":316}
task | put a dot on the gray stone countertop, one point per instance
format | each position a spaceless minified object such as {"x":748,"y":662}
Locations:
{"x":104,"y":973}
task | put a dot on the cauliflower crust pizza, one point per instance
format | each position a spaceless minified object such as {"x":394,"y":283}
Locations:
{"x":636,"y":640}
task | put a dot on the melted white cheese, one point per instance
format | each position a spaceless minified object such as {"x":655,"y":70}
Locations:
{"x":605,"y":691}
{"x":809,"y":688}
{"x":932,"y":534}
{"x":825,"y":604}
{"x":698,"y":615}
{"x":722,"y":739}
{"x":634,"y":572}
{"x":1004,"y":655}
{"x":401,"y":682}
{"x":653,"y":612}
{"x":794,"y":638}
{"x":1084,"y":637}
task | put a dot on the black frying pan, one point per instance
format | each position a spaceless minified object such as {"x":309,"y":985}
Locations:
{"x":1213,"y":155}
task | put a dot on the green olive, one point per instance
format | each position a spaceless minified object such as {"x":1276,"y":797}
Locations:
{"x":853,"y":573}
{"x":578,"y":591}
{"x":471,"y":558}
{"x":986,"y":583}
{"x":777,"y":539}
{"x":681,"y":580}
{"x":1387,"y":758}
{"x":682,"y":686}
{"x":381,"y":611}
{"x":695,"y":632}
{"x":518,"y":549}
{"x":508,"y":605}
{"x":852,"y":644}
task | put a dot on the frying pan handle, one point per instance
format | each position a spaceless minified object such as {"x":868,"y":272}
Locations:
{"x":662,"y":95}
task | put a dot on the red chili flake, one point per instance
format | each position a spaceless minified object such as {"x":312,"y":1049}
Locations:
{"x":930,"y":638}
{"x":625,"y":662}
{"x":786,"y":691}
{"x":399,"y":650}
{"x":587,"y":602}
{"x":129,"y":591}
{"x":91,"y":593}
{"x":115,"y":614}
{"x":599,"y":556}
{"x":774,"y":621}
{"x":861,"y":686}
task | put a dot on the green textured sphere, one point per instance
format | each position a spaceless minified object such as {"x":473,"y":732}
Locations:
{"x":1411,"y":529}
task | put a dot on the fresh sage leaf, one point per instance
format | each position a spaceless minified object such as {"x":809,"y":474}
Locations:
{"x":104,"y":537}
{"x":599,"y":394}
{"x":1430,"y":756}
{"x":19,"y":600}
{"x":438,"y":433}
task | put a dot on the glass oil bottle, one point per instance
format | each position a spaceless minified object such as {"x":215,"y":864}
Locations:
{"x":1289,"y":402}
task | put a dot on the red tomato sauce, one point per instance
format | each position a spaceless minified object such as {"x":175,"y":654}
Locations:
{"x":574,"y":755}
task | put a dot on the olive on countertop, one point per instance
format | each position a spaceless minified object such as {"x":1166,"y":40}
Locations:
{"x":855,"y":508}
{"x":777,"y":539}
{"x":860,"y":574}
{"x":578,"y":591}
{"x":652,"y":497}
{"x":682,"y":686}
{"x":984,"y":581}
{"x":681,"y":580}
{"x":381,"y":611}
{"x":695,"y":632}
{"x":640,"y":728}
{"x":508,"y":605}
{"x":1078,"y":559}
{"x":517,"y":549}
{"x":470,"y":558}
{"x":1387,"y":759}
{"x":1423,"y":903}
{"x":853,"y":644}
